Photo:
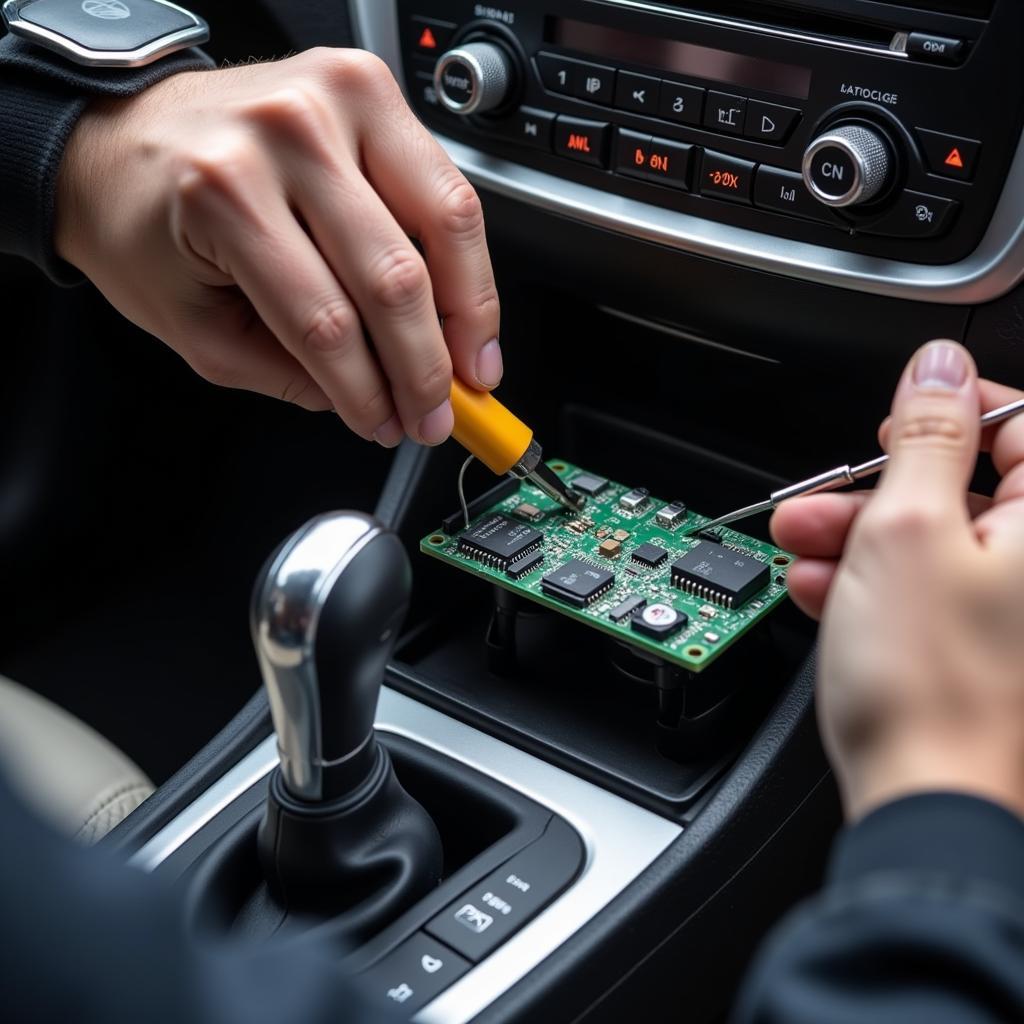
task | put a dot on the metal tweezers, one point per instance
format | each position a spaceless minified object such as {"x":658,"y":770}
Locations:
{"x":833,"y":479}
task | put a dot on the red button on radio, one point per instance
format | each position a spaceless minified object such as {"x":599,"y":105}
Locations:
{"x":726,"y":177}
{"x":581,"y":140}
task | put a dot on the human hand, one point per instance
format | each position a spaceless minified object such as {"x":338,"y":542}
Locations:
{"x":257,"y":218}
{"x":920,"y":589}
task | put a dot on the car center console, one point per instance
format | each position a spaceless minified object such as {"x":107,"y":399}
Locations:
{"x":868,"y":144}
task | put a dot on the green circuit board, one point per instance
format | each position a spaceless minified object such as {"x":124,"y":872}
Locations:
{"x":684,"y":598}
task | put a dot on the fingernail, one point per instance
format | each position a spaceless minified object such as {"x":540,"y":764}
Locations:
{"x":941,"y":365}
{"x":489,"y":366}
{"x":389,"y":434}
{"x":436,"y":426}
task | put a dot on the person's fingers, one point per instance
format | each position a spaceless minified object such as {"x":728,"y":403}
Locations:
{"x":993,"y":396}
{"x":389,"y":283}
{"x":1007,"y":438}
{"x":367,"y":251}
{"x":933,"y":439}
{"x":434,"y":203}
{"x":231,"y":212}
{"x":808,"y":582}
{"x":226,"y":343}
{"x":816,"y":526}
{"x":1005,"y":520}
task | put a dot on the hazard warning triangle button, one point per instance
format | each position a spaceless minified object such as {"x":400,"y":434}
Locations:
{"x":949,"y":155}
{"x":432,"y":37}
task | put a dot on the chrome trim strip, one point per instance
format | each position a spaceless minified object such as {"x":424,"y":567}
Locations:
{"x":621,"y":840}
{"x":995,"y":266}
{"x":993,"y":269}
{"x":375,"y":26}
{"x":226,"y":790}
{"x":875,"y":49}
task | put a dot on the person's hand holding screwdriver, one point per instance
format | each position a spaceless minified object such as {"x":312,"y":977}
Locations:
{"x":258,"y":220}
{"x":920,"y":590}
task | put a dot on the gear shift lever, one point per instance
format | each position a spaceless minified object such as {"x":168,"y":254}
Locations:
{"x":339,"y":828}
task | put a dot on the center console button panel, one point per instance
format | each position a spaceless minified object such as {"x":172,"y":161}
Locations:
{"x":915,"y":90}
{"x":414,"y":973}
{"x":485,"y":916}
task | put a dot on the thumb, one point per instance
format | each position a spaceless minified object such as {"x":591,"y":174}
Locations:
{"x":934,"y":432}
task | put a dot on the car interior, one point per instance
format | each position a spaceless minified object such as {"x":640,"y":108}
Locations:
{"x":719,"y":230}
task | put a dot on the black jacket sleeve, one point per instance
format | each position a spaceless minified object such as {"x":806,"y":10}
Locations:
{"x":42,"y":96}
{"x":922,"y":922}
{"x":88,"y":940}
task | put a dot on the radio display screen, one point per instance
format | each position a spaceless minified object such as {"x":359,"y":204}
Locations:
{"x":681,"y":58}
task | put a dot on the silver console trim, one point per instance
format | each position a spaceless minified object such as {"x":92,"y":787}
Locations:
{"x":994,"y":268}
{"x":621,"y":840}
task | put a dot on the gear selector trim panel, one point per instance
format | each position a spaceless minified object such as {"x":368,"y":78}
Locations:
{"x":620,"y":840}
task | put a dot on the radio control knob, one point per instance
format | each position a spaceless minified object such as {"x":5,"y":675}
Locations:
{"x":847,"y":165}
{"x":474,"y":78}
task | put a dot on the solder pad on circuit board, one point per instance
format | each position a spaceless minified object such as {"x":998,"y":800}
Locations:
{"x":711,"y":627}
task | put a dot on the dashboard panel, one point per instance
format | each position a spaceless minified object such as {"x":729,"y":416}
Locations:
{"x":692,"y":128}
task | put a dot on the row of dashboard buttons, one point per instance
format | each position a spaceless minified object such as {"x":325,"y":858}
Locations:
{"x":673,"y":101}
{"x":720,"y":175}
{"x":480,"y":920}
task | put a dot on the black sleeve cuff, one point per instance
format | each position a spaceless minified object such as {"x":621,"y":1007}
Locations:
{"x":42,"y":97}
{"x":947,"y":834}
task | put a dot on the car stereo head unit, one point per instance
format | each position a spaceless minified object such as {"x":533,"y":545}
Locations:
{"x":878,"y":129}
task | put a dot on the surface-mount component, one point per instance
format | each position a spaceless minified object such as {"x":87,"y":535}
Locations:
{"x":528,"y":512}
{"x":589,"y":484}
{"x":578,"y":582}
{"x":659,"y":621}
{"x":634,"y":500}
{"x":671,"y":515}
{"x":624,"y":609}
{"x":720,"y":575}
{"x":525,"y":565}
{"x":650,"y":555}
{"x":497,"y":540}
{"x":609,"y":548}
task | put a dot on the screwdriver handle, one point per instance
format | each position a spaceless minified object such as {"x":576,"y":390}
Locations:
{"x":484,"y":427}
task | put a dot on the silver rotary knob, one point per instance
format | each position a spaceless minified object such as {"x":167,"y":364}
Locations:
{"x":847,"y":165}
{"x":474,"y":78}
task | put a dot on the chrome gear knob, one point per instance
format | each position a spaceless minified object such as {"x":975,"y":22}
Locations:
{"x":326,"y":612}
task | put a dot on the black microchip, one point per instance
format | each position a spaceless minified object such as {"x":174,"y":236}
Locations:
{"x":626,"y":608}
{"x":588,"y":484}
{"x":712,"y":535}
{"x":517,"y":570}
{"x":649,"y":555}
{"x":716,"y":574}
{"x":497,"y":540}
{"x":577,"y":582}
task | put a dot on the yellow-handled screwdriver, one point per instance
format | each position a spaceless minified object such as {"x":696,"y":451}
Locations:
{"x":504,"y":443}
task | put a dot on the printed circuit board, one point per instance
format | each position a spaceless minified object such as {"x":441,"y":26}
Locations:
{"x":623,"y":565}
